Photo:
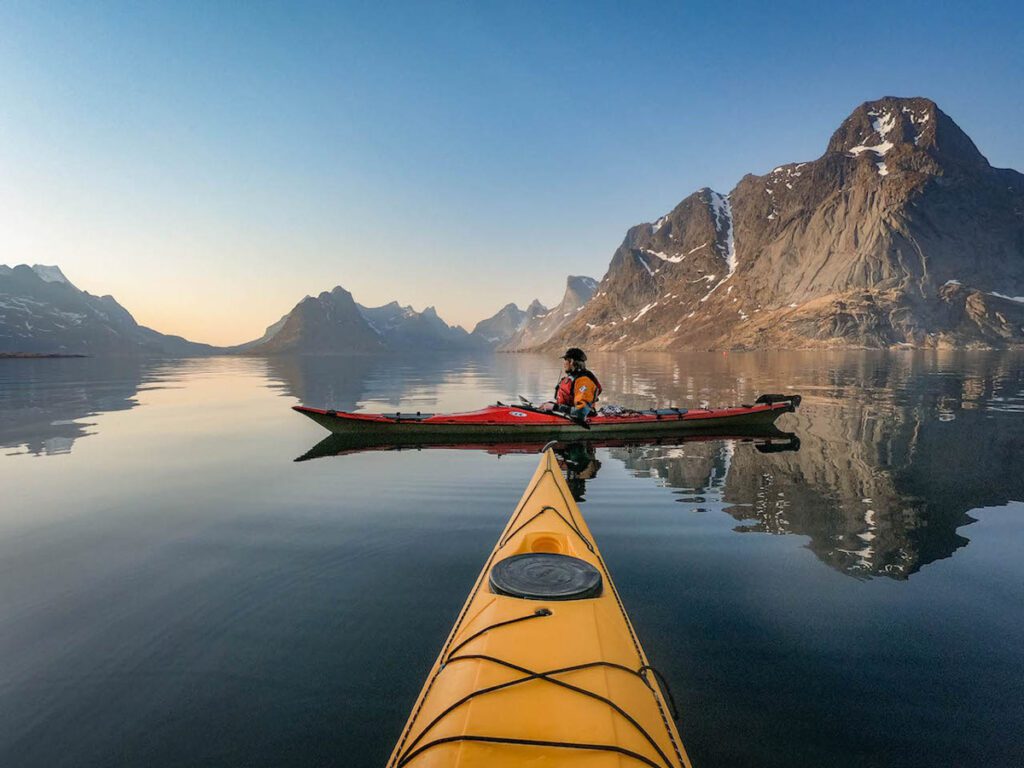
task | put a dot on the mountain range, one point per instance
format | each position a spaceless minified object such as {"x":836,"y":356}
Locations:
{"x":334,"y":323}
{"x":900,"y":234}
{"x":41,"y":311}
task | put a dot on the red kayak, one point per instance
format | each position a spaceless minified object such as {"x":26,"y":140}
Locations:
{"x":506,"y":421}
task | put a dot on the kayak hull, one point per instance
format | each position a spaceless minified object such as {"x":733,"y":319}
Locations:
{"x":545,"y":681}
{"x":508,"y":422}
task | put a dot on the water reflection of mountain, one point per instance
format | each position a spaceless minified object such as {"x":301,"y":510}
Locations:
{"x":325,"y":382}
{"x":43,"y":402}
{"x":577,"y":458}
{"x":887,"y":473}
{"x":898,"y":448}
{"x":408,"y":380}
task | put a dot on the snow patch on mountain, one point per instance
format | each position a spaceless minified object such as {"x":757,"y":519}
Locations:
{"x":722,"y":210}
{"x":646,"y":266}
{"x":882,"y":123}
{"x":664,"y":256}
{"x":644,"y":311}
{"x":50,"y":273}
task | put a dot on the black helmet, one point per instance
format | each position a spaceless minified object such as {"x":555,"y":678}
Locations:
{"x":575,"y":353}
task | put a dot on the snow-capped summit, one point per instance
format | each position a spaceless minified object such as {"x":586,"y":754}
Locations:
{"x":50,"y":274}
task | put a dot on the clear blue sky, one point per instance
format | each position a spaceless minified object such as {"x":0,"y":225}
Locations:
{"x":211,"y":163}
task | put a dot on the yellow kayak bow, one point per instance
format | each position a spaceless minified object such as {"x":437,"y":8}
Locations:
{"x":542,"y":667}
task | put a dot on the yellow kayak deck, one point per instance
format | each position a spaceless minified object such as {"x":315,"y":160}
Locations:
{"x":555,"y":678}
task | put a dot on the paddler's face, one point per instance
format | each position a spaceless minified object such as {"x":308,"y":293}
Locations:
{"x":566,"y":364}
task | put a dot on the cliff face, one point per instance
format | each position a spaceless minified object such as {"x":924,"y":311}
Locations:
{"x":900,"y":234}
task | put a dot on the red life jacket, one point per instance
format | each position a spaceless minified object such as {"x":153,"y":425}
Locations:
{"x":565,"y":392}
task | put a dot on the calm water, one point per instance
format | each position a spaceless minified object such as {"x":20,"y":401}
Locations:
{"x":175,"y":590}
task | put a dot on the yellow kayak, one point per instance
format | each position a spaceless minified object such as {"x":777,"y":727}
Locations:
{"x":542,"y":667}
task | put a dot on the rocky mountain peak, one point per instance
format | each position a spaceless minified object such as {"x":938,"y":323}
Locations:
{"x":330,"y":323}
{"x":579,"y":289}
{"x":851,"y":248}
{"x":338,"y":295}
{"x":894,"y":128}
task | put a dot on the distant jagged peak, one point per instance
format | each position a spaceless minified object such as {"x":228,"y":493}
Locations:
{"x":48,"y":273}
{"x":336,"y":299}
{"x":579,"y":289}
{"x":502,"y":324}
{"x":337,"y":296}
{"x":338,"y":292}
{"x":392,"y":308}
{"x":580,"y":283}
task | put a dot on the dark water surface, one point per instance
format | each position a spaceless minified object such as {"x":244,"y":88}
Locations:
{"x":175,"y":590}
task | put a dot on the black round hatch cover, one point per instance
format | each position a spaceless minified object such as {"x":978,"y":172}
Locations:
{"x":545,"y":576}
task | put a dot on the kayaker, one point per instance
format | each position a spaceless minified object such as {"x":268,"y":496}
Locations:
{"x":577,"y":391}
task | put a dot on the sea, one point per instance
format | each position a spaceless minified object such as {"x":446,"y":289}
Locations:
{"x":189,"y":576}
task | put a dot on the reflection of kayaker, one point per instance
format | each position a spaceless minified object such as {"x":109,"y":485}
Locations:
{"x":577,"y":391}
{"x":579,"y":462}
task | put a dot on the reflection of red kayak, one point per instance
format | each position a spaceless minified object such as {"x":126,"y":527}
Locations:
{"x":766,"y":439}
{"x":526,"y":422}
